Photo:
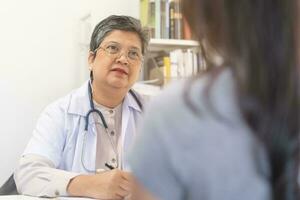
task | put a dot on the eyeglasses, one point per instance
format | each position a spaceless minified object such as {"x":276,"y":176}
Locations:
{"x":114,"y":50}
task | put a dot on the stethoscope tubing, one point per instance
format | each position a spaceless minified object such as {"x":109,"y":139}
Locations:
{"x":93,"y":110}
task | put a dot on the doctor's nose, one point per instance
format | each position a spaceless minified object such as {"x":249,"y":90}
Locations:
{"x":122,"y":58}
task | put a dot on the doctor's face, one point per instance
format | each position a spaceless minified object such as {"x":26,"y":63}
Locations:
{"x":117,"y":61}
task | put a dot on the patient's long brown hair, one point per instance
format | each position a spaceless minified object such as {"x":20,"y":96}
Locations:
{"x":257,"y":39}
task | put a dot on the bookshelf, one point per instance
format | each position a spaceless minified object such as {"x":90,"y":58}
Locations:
{"x":171,"y":44}
{"x":172,"y":54}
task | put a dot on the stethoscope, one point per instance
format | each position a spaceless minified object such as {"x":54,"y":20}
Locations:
{"x":93,"y":110}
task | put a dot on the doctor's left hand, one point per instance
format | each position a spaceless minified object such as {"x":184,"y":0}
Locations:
{"x":111,"y":185}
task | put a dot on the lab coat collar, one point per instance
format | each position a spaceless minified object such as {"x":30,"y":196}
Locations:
{"x":79,"y":101}
{"x":131,"y":102}
{"x":80,"y":105}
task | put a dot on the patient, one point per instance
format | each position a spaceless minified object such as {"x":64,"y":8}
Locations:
{"x":234,"y":133}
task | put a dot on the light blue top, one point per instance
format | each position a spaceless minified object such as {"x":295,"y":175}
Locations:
{"x":184,"y":155}
{"x":59,"y":132}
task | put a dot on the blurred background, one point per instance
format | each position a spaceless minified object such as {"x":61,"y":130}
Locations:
{"x":43,"y":48}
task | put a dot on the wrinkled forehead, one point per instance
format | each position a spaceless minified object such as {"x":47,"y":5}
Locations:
{"x":126,"y":39}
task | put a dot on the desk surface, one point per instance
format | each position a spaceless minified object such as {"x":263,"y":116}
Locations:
{"x":23,"y":197}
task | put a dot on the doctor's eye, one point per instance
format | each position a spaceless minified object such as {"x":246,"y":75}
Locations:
{"x":112,"y":48}
{"x":134,"y":54}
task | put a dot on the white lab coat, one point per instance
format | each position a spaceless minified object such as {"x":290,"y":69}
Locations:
{"x":59,"y":133}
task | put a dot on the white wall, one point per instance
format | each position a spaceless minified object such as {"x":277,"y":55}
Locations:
{"x":103,"y":8}
{"x":40,"y":60}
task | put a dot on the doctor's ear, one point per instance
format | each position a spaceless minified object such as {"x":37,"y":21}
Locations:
{"x":91,"y":57}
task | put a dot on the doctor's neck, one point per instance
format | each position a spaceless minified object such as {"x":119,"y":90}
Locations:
{"x":108,"y":97}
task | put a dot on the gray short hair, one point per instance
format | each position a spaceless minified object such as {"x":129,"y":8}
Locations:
{"x":118,"y":22}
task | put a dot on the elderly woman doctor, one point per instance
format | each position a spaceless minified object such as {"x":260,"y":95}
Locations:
{"x":90,"y":129}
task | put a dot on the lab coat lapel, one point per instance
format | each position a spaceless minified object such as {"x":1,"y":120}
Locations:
{"x":129,"y":109}
{"x":79,"y":105}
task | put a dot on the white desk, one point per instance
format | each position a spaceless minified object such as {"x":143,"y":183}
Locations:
{"x":22,"y":197}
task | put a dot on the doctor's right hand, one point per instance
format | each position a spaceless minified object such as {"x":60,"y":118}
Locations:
{"x":110,"y":185}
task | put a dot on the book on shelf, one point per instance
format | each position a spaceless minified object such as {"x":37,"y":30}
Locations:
{"x":147,"y":16}
{"x":157,"y":18}
{"x":164,"y":20}
{"x":178,"y":28}
{"x":167,"y":69}
{"x":144,"y":12}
